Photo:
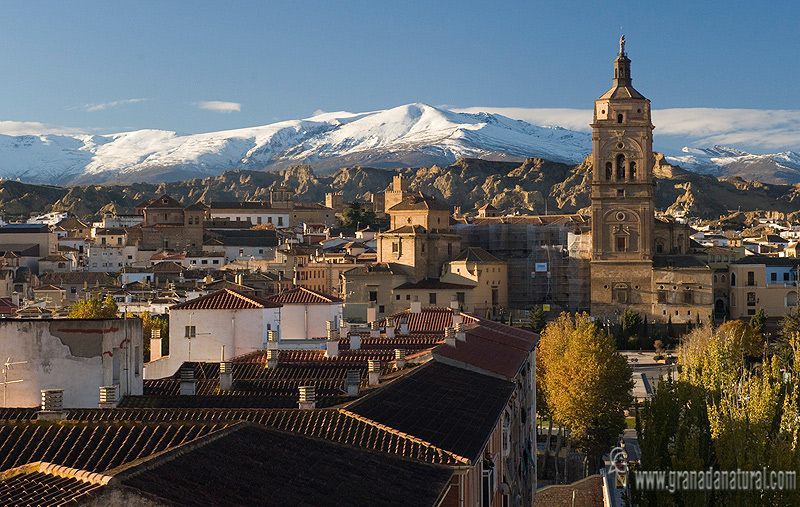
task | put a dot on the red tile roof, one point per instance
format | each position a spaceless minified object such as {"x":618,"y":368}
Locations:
{"x":225,"y":299}
{"x":492,"y":347}
{"x":302,"y":295}
{"x":433,"y":319}
{"x":48,"y":287}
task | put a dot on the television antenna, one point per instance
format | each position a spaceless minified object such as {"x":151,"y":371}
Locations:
{"x":6,"y":367}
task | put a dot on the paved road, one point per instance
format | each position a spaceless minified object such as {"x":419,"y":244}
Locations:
{"x":646,"y":372}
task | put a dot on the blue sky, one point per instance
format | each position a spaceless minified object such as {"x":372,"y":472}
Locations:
{"x":205,"y":66}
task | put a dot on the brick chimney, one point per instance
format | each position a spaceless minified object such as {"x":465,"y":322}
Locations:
{"x":155,"y":344}
{"x":374,"y":330}
{"x":352,"y":382}
{"x":225,"y":376}
{"x":374,"y":371}
{"x":400,"y":358}
{"x":187,"y":381}
{"x":450,"y":337}
{"x":461,"y":334}
{"x":403,"y":325}
{"x":457,"y":318}
{"x":52,"y":405}
{"x":108,"y":397}
{"x":355,"y":341}
{"x":308,"y":398}
{"x":272,"y":358}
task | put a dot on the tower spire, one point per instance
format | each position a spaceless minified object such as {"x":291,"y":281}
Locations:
{"x":622,"y":66}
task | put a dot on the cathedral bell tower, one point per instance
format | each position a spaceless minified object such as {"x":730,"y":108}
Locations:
{"x":623,"y":210}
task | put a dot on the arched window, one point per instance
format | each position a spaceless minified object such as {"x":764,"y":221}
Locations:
{"x":733,"y":299}
{"x":660,"y":247}
{"x":723,"y":278}
{"x":620,"y":167}
{"x":632,"y":174}
{"x":791,"y":299}
{"x":619,"y":118}
{"x":733,"y":279}
{"x":715,"y":278}
{"x":609,"y":171}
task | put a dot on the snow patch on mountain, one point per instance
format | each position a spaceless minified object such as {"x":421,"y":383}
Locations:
{"x":724,"y":162}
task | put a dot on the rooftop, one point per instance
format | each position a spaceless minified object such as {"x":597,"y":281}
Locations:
{"x":225,"y":299}
{"x":302,"y":295}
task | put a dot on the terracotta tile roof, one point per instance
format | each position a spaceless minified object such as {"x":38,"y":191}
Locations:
{"x":225,"y":299}
{"x":302,"y":295}
{"x":228,"y":468}
{"x":48,"y":287}
{"x":45,"y":484}
{"x":587,"y":492}
{"x":476,"y":254}
{"x":433,"y":284}
{"x":421,"y":341}
{"x":432,"y":319}
{"x":452,"y":408}
{"x":95,"y":447}
{"x":492,"y":347}
{"x":419,"y":201}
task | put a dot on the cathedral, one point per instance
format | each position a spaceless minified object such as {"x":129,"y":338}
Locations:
{"x":638,"y":261}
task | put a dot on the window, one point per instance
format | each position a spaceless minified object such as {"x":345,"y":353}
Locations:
{"x":621,"y":293}
{"x":258,"y":220}
{"x":609,"y":171}
{"x":751,"y":299}
{"x":620,"y":192}
{"x":620,"y":117}
{"x":204,"y":261}
{"x":687,"y":295}
{"x":621,"y":244}
{"x":488,"y":482}
{"x":397,"y":297}
{"x":408,"y":297}
{"x":373,"y":295}
{"x":751,"y":278}
{"x":190,"y":332}
{"x":460,"y":298}
{"x":659,"y":247}
{"x":432,"y":298}
{"x":632,"y":173}
{"x":380,"y":309}
{"x":786,"y":277}
{"x":620,"y":167}
{"x":119,"y":240}
{"x":662,"y":296}
{"x":136,"y":360}
{"x":723,"y":278}
{"x":280,"y":221}
{"x":773,"y":277}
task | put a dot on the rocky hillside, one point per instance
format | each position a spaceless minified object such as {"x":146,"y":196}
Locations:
{"x":469,"y":183}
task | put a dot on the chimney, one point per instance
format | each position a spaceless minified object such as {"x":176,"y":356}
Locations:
{"x":225,"y":376}
{"x":390,"y":328}
{"x":187,"y":381}
{"x":344,"y":328}
{"x":355,"y":341}
{"x":108,"y":397}
{"x":239,"y":279}
{"x":457,"y":319}
{"x":454,"y":304}
{"x":308,"y":399}
{"x":374,"y":330}
{"x":461,"y":335}
{"x":15,"y":299}
{"x":450,"y":337}
{"x":155,"y":344}
{"x":374,"y":368}
{"x":416,"y":306}
{"x":272,"y":358}
{"x":272,"y":339}
{"x":400,"y":358}
{"x":371,"y":314}
{"x":352,"y":382}
{"x":403,"y":325}
{"x":332,"y":345}
{"x":52,"y":405}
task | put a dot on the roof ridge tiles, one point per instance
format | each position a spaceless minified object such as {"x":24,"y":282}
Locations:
{"x":46,"y":467}
{"x":407,"y":436}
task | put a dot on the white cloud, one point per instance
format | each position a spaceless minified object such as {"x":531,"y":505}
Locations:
{"x":109,"y":105}
{"x":34,"y":128}
{"x":765,"y":129}
{"x":219,"y":106}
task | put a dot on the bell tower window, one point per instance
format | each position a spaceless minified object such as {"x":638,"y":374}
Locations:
{"x":609,"y":171}
{"x":620,"y":167}
{"x":632,"y":172}
{"x":619,"y":118}
{"x":621,"y":244}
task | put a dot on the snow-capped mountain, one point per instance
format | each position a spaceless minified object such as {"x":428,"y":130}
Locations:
{"x":410,"y":135}
{"x":729,"y":162}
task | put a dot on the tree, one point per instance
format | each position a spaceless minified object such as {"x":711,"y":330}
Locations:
{"x":790,"y":323}
{"x":758,"y":321}
{"x":536,"y":319}
{"x":586,"y":383}
{"x":93,"y":308}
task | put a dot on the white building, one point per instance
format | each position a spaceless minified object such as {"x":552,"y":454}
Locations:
{"x":256,"y":212}
{"x":305,"y":314}
{"x":76,"y":355}
{"x":204,"y":328}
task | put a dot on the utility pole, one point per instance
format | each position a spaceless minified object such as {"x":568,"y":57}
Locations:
{"x":6,"y":367}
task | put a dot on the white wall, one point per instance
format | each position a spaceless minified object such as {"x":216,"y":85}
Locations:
{"x":76,"y":355}
{"x":307,"y":321}
{"x":279,"y":220}
{"x":239,"y":331}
